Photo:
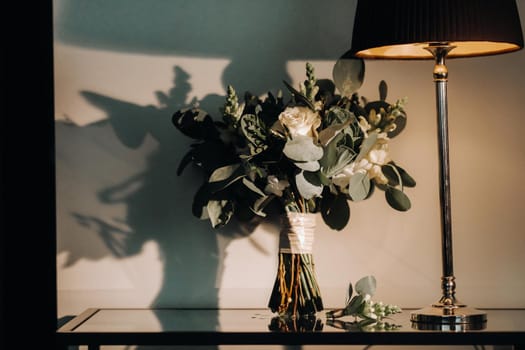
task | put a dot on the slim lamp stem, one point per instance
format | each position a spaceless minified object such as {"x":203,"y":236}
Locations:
{"x":447,"y":313}
{"x":440,"y":79}
{"x":440,"y":51}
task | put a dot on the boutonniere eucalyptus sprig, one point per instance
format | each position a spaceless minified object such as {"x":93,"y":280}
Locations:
{"x":366,"y":313}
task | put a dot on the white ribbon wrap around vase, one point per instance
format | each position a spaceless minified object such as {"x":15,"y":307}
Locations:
{"x":296,"y":292}
{"x":297,"y":233}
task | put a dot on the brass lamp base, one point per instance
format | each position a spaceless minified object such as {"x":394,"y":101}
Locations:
{"x":448,"y":318}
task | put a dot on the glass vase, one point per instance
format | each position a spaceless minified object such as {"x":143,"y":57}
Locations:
{"x":296,"y":293}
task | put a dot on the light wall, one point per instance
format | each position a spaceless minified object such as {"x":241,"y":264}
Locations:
{"x":126,"y":236}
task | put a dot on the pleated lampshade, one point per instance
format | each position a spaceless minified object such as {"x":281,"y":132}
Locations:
{"x":400,"y":29}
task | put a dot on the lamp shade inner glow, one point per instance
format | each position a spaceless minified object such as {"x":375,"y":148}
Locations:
{"x":401,"y":29}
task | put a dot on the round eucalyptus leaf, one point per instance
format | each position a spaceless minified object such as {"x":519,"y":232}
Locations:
{"x":391,"y":173}
{"x":335,"y":210}
{"x":366,"y":285}
{"x":397,"y":199}
{"x":302,"y":149}
{"x":408,"y":181}
{"x":307,"y":189}
{"x":359,"y":186}
{"x":348,"y":75}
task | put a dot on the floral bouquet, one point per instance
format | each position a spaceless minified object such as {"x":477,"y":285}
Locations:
{"x":313,"y":153}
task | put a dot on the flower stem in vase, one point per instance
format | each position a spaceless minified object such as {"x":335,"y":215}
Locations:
{"x":296,"y":292}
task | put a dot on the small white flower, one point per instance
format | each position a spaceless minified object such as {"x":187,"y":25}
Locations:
{"x":276,"y":186}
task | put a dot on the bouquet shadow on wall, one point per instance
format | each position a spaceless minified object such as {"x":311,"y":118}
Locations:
{"x":258,"y":38}
{"x":158,"y":203}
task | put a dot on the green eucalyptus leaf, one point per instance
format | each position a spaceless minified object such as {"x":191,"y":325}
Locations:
{"x":366,"y":285}
{"x":225,"y":176}
{"x":313,"y":177}
{"x":326,"y":135}
{"x":382,"y":187}
{"x":335,"y":210}
{"x":359,"y":186}
{"x":329,"y":155}
{"x":392,"y":174}
{"x":253,"y":187}
{"x":352,"y":135}
{"x":338,"y":116}
{"x":325,"y":181}
{"x":223,"y":173}
{"x":348,"y":74}
{"x":408,"y":181}
{"x":397,"y":199}
{"x":302,"y":149}
{"x":336,"y":157}
{"x":354,"y":305}
{"x":299,"y":97}
{"x":220,"y":212}
{"x":306,"y":188}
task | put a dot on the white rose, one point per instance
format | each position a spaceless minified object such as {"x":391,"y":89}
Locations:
{"x":300,"y":121}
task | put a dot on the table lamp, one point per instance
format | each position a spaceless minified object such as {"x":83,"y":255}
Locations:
{"x":438,"y":29}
